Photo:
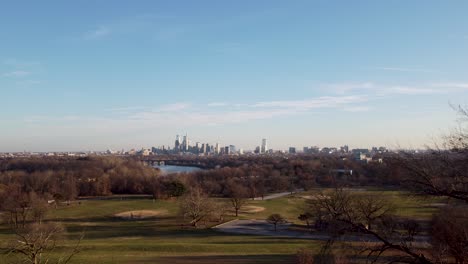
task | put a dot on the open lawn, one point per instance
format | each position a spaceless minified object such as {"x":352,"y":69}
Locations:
{"x":161,"y":238}
{"x":110,"y":239}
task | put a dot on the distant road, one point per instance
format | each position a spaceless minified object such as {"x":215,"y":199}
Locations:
{"x":276,"y":195}
{"x":117,"y":197}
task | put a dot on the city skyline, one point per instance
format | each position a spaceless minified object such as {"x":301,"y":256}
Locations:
{"x":298,"y":74}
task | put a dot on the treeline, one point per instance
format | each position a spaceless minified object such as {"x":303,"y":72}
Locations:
{"x":261,"y":175}
{"x":68,"y":178}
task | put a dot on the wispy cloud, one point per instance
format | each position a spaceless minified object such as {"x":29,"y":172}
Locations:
{"x":217,"y":104}
{"x":342,"y":88}
{"x":404,"y":69}
{"x":99,"y":32}
{"x":126,"y":109}
{"x":192,"y":115}
{"x":44,"y":118}
{"x":28,"y":82}
{"x":173,"y":107}
{"x":21,"y":70}
{"x":20,"y":63}
{"x":18,"y":73}
{"x":385,"y":89}
{"x":413,"y":90}
{"x":153,"y":26}
{"x":321,"y":102}
{"x":451,"y":85}
{"x":357,"y":109}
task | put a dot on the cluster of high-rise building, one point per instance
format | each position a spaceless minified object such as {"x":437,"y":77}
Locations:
{"x":263,"y":149}
{"x":184,"y":145}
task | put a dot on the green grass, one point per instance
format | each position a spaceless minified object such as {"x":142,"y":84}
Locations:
{"x":289,"y":207}
{"x":112,"y":240}
{"x":162,"y":240}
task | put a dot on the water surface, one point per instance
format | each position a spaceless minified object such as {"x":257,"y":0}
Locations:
{"x":168,"y":169}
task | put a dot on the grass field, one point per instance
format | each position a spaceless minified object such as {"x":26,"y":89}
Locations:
{"x":161,"y":239}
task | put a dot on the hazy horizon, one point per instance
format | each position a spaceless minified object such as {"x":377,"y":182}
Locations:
{"x":103,"y":75}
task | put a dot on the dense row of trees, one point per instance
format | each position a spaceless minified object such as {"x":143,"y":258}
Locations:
{"x":67,"y":178}
{"x":247,"y":177}
{"x":261,"y":175}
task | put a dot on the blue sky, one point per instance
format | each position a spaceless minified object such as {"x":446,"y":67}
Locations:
{"x":93,"y":75}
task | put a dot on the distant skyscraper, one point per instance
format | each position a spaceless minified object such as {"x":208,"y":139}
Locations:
{"x":185,"y":143}
{"x":203,"y":148}
{"x":217,"y":148}
{"x":264,"y":148}
{"x":292,"y":150}
{"x":177,"y":143}
{"x":232,"y":149}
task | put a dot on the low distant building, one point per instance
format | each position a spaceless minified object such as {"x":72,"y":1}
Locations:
{"x":327,"y":150}
{"x":144,"y":152}
{"x":344,"y":149}
{"x":311,"y":150}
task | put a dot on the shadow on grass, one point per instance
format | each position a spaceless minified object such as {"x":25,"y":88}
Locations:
{"x":227,"y":259}
{"x":136,"y":228}
{"x":111,"y":219}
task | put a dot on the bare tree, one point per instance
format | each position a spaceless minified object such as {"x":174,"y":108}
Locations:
{"x":342,"y":210}
{"x":39,"y":207}
{"x":17,"y":205}
{"x":450,"y":235}
{"x":441,"y":170}
{"x":276,"y":219}
{"x":373,"y":207}
{"x":196,"y":206}
{"x":238,"y":196}
{"x":36,"y":241}
{"x":306,"y":217}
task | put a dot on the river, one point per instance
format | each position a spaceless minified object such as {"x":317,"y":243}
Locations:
{"x":168,"y":169}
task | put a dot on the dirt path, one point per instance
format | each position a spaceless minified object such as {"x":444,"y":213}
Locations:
{"x":141,"y":214}
{"x":276,"y":195}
